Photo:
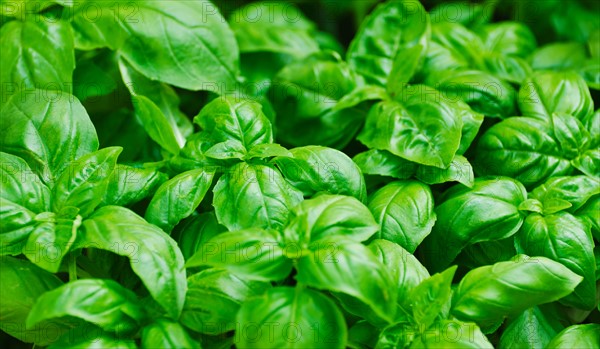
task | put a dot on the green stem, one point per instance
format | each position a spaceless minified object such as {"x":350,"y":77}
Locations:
{"x":72,"y":267}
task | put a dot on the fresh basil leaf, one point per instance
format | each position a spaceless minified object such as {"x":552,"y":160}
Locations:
{"x":200,"y":45}
{"x":286,"y":317}
{"x":406,"y":271}
{"x":104,"y":303}
{"x":488,"y":211}
{"x":362,"y":335}
{"x":177,"y":198}
{"x":253,"y":254}
{"x":353,"y":270}
{"x":589,"y":212}
{"x":20,"y":8}
{"x":486,"y":253}
{"x":576,"y":190}
{"x":546,"y":93}
{"x":425,"y":132}
{"x":404,"y":67}
{"x":100,"y":340}
{"x":167,"y":334}
{"x":452,"y":334}
{"x":20,"y":185}
{"x":508,"y":38}
{"x":533,"y":329}
{"x":398,"y":335}
{"x":22,"y":283}
{"x":384,"y":163}
{"x":576,"y":336}
{"x":508,"y":68}
{"x":17,"y":223}
{"x":153,"y":255}
{"x":214,"y":298}
{"x":471,"y":121}
{"x":489,"y":293}
{"x":306,"y":96}
{"x":329,"y":217}
{"x":263,"y":151}
{"x":404,"y":211}
{"x":314,"y":169}
{"x":27,"y":64}
{"x":273,"y":27}
{"x":460,"y":170}
{"x":251,"y":195}
{"x":129,"y":185}
{"x":570,"y":134}
{"x":464,"y":46}
{"x":564,"y":239}
{"x":388,"y":32}
{"x":588,"y":162}
{"x":559,"y":56}
{"x":431,"y":296}
{"x":361,"y":94}
{"x":85,"y":182}
{"x":48,"y":130}
{"x":152,"y":118}
{"x":522,"y":148}
{"x":235,"y":119}
{"x":196,"y":231}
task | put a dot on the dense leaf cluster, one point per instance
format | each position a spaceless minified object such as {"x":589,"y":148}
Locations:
{"x":174,"y":179}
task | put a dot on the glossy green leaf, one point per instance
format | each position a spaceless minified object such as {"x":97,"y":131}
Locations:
{"x":532,"y":329}
{"x":48,"y":130}
{"x":104,"y":303}
{"x":253,"y":254}
{"x":286,"y":317}
{"x":21,"y":185}
{"x":452,"y":334}
{"x":489,"y":293}
{"x":253,"y":196}
{"x":263,"y":151}
{"x":389,"y":31}
{"x":167,"y":334}
{"x":85,"y":182}
{"x":384,"y":163}
{"x":153,"y":255}
{"x":177,"y":198}
{"x":576,"y":190}
{"x":196,"y":231}
{"x":17,"y":223}
{"x":567,"y":240}
{"x":22,"y":278}
{"x":101,"y":340}
{"x":214,"y":298}
{"x":404,"y":211}
{"x":327,"y":217}
{"x":431,"y":296}
{"x":201,"y":49}
{"x":508,"y":38}
{"x":51,"y":239}
{"x":460,"y":170}
{"x":488,"y":211}
{"x":404,"y":67}
{"x":129,"y":185}
{"x":576,"y":336}
{"x":314,"y":169}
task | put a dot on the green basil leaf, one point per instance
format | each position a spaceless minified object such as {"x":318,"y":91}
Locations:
{"x":362,"y":335}
{"x":489,"y":293}
{"x":27,"y":64}
{"x":353,"y":270}
{"x":391,"y":29}
{"x":263,"y":151}
{"x":404,"y":67}
{"x":404,"y":211}
{"x":20,"y":8}
{"x":104,"y":303}
{"x":460,"y":170}
{"x":570,"y":134}
{"x":589,"y":212}
{"x":167,"y":334}
{"x":486,"y":253}
{"x":522,"y":148}
{"x":384,"y":163}
{"x":273,"y":27}
{"x":17,"y":223}
{"x":425,"y":132}
{"x":20,"y":185}
{"x":564,"y":239}
{"x":588,"y":162}
{"x":254,"y":254}
{"x":488,"y":211}
{"x":559,"y":56}
{"x":508,"y":38}
{"x":464,"y":46}
{"x":314,"y":169}
{"x":22,"y":283}
{"x":177,"y":198}
{"x":329,"y":217}
{"x":49,"y":133}
{"x":253,"y":196}
{"x":576,"y":190}
{"x":153,"y":255}
{"x":214,"y":298}
{"x":75,"y":340}
{"x":576,"y":336}
{"x":471,"y":121}
{"x":483,"y":92}
{"x":235,"y":119}
{"x":508,"y":68}
{"x":196,"y":231}
{"x":533,"y":329}
{"x":546,"y":93}
{"x":199,"y":43}
{"x":285,"y":317}
{"x":51,"y":240}
{"x":163,"y":97}
{"x":129,"y":185}
{"x":85,"y":182}
{"x":452,"y":334}
{"x":431,"y":296}
{"x":308,"y":96}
